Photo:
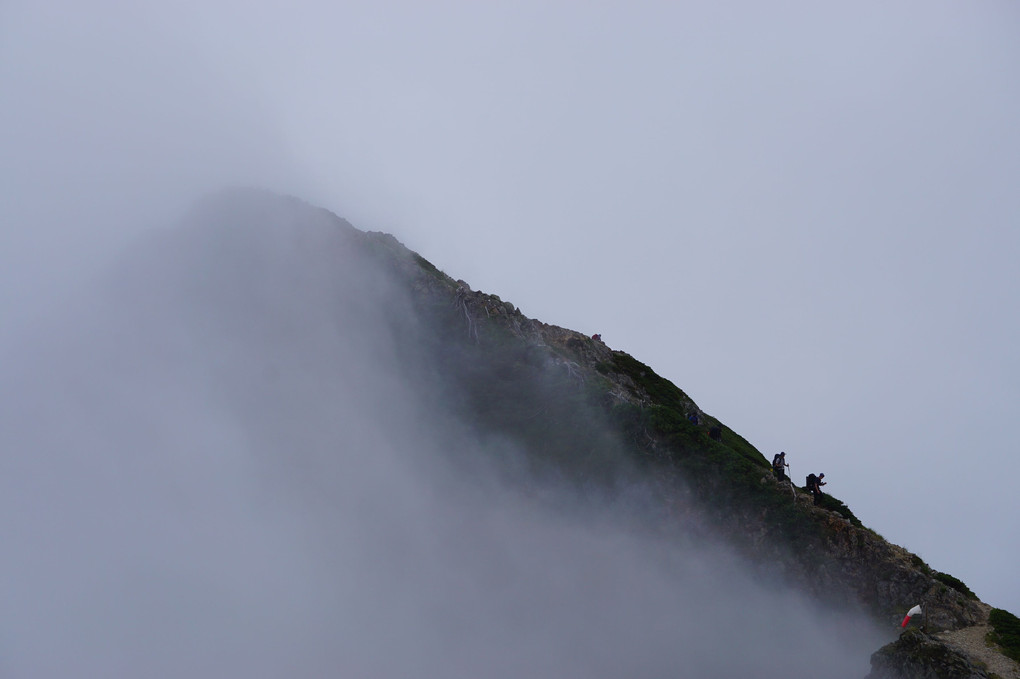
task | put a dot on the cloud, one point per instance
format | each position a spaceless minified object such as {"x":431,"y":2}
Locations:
{"x":220,"y":464}
{"x":113,"y":122}
{"x":718,"y":142}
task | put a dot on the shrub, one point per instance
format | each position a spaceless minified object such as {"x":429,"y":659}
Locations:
{"x":835,"y":505}
{"x":1005,"y":632}
{"x":950,"y":581}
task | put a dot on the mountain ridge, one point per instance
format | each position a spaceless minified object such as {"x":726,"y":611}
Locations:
{"x":581,"y":413}
{"x":840,"y":560}
{"x":630,"y":383}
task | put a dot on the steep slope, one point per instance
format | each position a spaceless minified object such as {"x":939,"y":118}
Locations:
{"x":542,"y":385}
{"x":602,"y":420}
{"x":284,"y":444}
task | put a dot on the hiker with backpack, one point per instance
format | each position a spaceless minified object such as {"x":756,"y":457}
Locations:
{"x":814,"y":484}
{"x":779,"y":466}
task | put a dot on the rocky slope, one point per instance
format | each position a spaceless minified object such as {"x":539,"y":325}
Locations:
{"x":823,"y":549}
{"x":917,"y":655}
{"x":964,"y":653}
{"x":600,"y":417}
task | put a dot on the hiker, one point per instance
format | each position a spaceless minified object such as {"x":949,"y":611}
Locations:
{"x":597,"y":337}
{"x":715,"y":433}
{"x":693,"y":418}
{"x":779,"y":466}
{"x":814,"y":484}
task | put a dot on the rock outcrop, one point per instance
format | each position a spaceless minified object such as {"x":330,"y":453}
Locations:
{"x":918,"y":655}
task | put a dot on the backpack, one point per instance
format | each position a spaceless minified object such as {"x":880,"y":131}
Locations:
{"x":811,"y":481}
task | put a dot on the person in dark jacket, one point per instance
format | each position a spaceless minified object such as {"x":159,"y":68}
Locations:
{"x":779,"y":466}
{"x":814,"y":484}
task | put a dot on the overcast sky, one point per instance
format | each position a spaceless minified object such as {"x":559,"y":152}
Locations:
{"x":805,"y":216}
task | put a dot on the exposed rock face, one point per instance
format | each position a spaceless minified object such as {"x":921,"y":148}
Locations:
{"x":916,"y":655}
{"x":882,"y":573}
{"x":851,"y":565}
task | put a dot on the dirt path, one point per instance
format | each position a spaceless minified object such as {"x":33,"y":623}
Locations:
{"x":971,"y":640}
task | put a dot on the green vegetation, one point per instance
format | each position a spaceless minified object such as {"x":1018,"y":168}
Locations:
{"x":739,"y":444}
{"x":834,"y":505}
{"x":728,"y":474}
{"x":669,"y":416}
{"x":955,"y":583}
{"x":427,"y":266}
{"x":659,"y":389}
{"x":1005,"y":632}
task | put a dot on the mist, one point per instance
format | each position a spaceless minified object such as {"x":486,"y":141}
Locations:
{"x":219,"y":461}
{"x":802,"y":215}
{"x":219,"y":457}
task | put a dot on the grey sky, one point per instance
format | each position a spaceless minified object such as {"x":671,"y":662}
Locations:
{"x":805,"y":216}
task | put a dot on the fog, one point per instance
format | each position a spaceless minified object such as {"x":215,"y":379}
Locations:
{"x":231,"y":475}
{"x":803,"y":215}
{"x":218,"y":463}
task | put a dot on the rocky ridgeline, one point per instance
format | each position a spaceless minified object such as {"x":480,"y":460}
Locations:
{"x":839,"y":561}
